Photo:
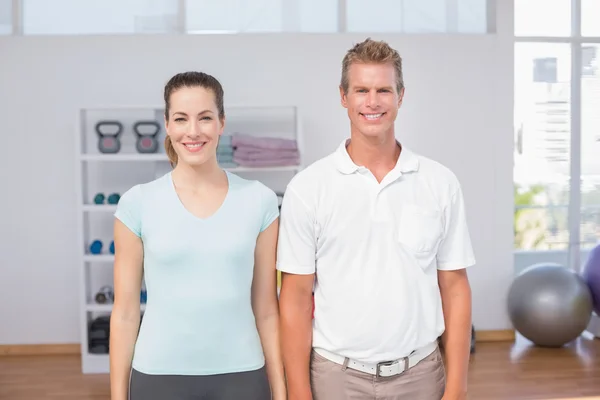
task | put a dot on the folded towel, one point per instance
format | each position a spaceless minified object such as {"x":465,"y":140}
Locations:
{"x":252,"y":152}
{"x":267,"y":155}
{"x":225,"y":140}
{"x":240,"y":139}
{"x":230,"y":164}
{"x":225,"y":151}
{"x":268,"y":162}
{"x":224,"y":158}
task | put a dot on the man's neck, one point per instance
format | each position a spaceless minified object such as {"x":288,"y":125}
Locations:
{"x":375,"y":154}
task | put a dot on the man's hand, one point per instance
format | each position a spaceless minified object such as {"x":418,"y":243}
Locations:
{"x":455,"y":396}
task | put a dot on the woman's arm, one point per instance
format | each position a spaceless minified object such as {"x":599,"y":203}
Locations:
{"x":266,"y":309}
{"x":125,"y":317}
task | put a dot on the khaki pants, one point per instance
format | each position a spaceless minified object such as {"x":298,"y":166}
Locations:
{"x":424,"y":381}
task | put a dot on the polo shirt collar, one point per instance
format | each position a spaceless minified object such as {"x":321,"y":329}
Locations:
{"x":407,"y":162}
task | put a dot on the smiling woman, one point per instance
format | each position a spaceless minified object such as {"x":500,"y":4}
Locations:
{"x":212,"y":323}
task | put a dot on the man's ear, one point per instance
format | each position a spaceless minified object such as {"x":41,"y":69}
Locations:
{"x":343,"y":98}
{"x":401,"y":97}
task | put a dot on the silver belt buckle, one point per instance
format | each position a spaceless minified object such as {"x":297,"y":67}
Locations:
{"x":389,"y":363}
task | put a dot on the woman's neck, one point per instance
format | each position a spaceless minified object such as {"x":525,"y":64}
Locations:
{"x":198,"y":176}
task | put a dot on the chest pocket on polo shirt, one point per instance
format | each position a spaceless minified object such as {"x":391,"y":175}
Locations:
{"x":419,"y":230}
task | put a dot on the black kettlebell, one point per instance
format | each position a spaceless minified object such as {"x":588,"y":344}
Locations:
{"x":109,"y":142}
{"x":146,"y":142}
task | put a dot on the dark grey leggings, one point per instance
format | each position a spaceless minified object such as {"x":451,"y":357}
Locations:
{"x":251,"y":385}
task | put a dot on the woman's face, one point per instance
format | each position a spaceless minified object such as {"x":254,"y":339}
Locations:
{"x":194,"y":125}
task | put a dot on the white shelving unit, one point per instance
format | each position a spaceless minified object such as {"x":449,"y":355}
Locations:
{"x":98,"y":172}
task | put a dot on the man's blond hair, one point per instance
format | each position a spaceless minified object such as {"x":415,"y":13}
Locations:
{"x":372,"y":52}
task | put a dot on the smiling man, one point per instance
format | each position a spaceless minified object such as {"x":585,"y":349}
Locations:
{"x":380,"y":234}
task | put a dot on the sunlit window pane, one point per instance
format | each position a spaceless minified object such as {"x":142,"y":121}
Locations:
{"x":590,"y":145}
{"x":542,"y":145}
{"x":76,"y":17}
{"x":590,"y":17}
{"x":417,"y":16}
{"x":542,"y":17}
{"x":242,"y":16}
{"x":5,"y":17}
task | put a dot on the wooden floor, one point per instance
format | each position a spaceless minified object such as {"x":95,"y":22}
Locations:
{"x":515,"y":371}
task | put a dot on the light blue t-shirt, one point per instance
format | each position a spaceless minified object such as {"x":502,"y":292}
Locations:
{"x":198,"y":275}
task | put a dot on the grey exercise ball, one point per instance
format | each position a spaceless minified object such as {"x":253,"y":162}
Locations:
{"x":549,"y":304}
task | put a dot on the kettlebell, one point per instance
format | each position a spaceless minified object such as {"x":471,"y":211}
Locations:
{"x":105,"y":295}
{"x":109,"y":142}
{"x":146,"y":142}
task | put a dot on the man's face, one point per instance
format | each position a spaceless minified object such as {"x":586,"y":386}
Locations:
{"x":372,"y":99}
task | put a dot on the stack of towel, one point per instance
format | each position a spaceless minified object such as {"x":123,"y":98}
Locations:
{"x":225,"y":152}
{"x":256,"y":151}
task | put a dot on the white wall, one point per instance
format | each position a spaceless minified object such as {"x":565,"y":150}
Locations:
{"x":457,"y":109}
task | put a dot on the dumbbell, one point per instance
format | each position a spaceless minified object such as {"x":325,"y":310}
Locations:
{"x":112,"y":247}
{"x":112,"y":199}
{"x":96,"y":247}
{"x":109,"y":142}
{"x":105,"y":295}
{"x":146,"y":142}
{"x":99,"y":198}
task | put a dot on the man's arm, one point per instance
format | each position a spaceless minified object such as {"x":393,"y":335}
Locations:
{"x":454,"y":257}
{"x":456,"y":340}
{"x":265,"y":307}
{"x":296,"y":259}
{"x":296,"y":304}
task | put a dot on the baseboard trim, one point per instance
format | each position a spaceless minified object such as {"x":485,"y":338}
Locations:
{"x":39,"y":349}
{"x":504,"y":335}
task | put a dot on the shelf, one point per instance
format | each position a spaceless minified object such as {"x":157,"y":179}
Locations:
{"x":109,"y":173}
{"x":124,"y":157}
{"x":291,"y":168}
{"x":99,"y":208}
{"x":99,"y":258}
{"x":163,"y":158}
{"x":92,"y":307}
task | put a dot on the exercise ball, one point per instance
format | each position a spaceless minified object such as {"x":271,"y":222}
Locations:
{"x":549,"y":304}
{"x":591,"y":274}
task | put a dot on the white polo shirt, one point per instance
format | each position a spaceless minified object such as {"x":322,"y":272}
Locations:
{"x":375,"y":249}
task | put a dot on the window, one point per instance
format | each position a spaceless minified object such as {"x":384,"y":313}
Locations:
{"x":76,"y":17}
{"x":40,"y":17}
{"x":417,"y":16}
{"x":6,"y":17}
{"x":557,"y":129}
